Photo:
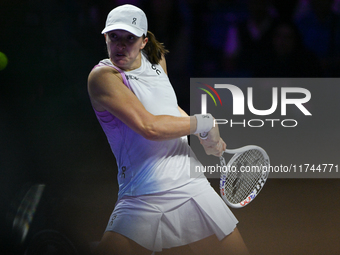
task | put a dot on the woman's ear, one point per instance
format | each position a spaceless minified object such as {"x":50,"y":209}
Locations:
{"x":145,"y":41}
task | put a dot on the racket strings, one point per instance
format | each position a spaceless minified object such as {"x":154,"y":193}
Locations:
{"x":246,"y":170}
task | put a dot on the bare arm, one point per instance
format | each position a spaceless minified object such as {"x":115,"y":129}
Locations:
{"x":108,"y":92}
{"x":214,"y":144}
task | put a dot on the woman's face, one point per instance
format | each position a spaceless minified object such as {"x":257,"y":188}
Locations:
{"x":124,"y":48}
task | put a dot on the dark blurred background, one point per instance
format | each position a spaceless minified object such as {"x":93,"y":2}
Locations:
{"x":49,"y":133}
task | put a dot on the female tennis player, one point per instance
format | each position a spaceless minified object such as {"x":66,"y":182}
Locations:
{"x":160,"y":209}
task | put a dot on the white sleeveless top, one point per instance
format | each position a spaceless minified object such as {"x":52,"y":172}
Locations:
{"x":145,"y":166}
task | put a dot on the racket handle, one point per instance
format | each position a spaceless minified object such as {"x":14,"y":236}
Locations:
{"x":203,"y":135}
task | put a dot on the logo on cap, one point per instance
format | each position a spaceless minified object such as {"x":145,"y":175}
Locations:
{"x":134,"y":21}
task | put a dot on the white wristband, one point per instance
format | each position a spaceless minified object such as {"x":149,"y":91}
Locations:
{"x":205,"y":122}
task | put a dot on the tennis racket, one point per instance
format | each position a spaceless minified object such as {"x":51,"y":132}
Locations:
{"x":244,"y":176}
{"x":22,"y":212}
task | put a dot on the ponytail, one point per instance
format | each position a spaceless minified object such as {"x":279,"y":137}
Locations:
{"x":154,"y":50}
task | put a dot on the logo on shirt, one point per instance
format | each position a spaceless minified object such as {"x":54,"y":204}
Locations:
{"x":112,"y":219}
{"x":156,"y":69}
{"x":123,"y":171}
{"x":131,"y":77}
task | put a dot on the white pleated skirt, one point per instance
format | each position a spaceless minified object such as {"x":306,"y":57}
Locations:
{"x":173,"y":218}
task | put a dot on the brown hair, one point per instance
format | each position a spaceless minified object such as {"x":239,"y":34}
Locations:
{"x":154,"y":50}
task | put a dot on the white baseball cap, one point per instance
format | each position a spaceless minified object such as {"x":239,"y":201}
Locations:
{"x":129,"y":18}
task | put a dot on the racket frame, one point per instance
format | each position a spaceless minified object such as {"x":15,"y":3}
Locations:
{"x":224,"y":175}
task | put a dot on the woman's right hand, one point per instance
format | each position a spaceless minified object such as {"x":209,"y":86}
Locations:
{"x":213,"y":144}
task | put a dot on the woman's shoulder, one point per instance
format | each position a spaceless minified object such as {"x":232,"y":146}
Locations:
{"x":102,"y":74}
{"x":105,"y":64}
{"x":104,"y":67}
{"x":102,"y":80}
